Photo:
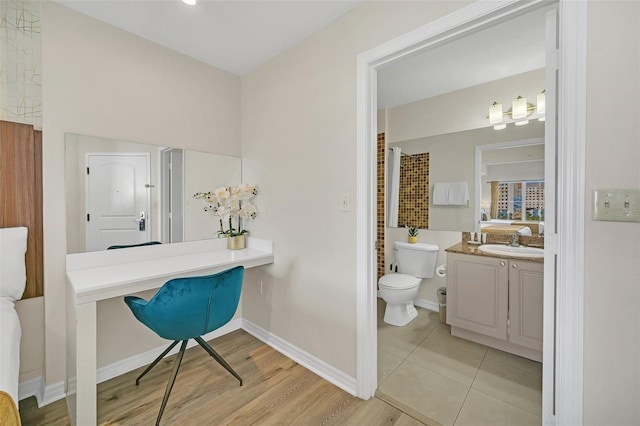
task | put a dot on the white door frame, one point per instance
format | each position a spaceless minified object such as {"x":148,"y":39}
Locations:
{"x":569,"y":244}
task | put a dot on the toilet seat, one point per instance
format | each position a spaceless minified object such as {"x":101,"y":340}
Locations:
{"x":398,"y":281}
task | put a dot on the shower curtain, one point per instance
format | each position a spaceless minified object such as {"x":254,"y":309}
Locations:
{"x":393,"y":195}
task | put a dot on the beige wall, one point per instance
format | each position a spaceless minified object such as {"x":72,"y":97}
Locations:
{"x":100,"y":81}
{"x":299,"y":145}
{"x":612,"y":270}
{"x":298,"y":133}
{"x":464,"y":109}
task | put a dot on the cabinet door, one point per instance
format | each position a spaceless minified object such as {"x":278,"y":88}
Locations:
{"x":477,"y":294}
{"x":526,"y":286}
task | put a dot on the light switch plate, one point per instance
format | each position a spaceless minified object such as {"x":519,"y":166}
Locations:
{"x":345,"y":202}
{"x":618,"y":205}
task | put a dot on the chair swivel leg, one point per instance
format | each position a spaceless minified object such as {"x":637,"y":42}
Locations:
{"x":172,"y":379}
{"x":218,"y":358}
{"x":166,"y":351}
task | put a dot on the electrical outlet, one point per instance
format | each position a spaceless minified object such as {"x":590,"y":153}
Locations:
{"x":618,"y":205}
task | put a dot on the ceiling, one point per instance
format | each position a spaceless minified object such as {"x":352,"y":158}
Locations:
{"x":509,"y":48}
{"x":238,"y":36}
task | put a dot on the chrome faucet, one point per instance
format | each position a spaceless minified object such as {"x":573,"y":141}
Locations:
{"x":515,"y":240}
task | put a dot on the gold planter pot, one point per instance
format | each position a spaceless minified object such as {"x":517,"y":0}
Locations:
{"x":413,"y":240}
{"x":236,"y":243}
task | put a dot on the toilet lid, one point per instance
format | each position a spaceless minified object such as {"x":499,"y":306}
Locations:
{"x":398,"y":281}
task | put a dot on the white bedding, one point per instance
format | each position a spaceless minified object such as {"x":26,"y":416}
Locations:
{"x":13,"y":245}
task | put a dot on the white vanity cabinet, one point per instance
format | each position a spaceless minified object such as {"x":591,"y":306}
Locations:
{"x":496,"y":302}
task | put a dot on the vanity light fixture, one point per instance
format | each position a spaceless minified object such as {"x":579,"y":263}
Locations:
{"x":519,"y":112}
{"x":541,"y":107}
{"x":496,"y":116}
{"x":189,"y":2}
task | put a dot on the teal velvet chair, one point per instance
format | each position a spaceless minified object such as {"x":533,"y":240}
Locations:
{"x":188,"y":308}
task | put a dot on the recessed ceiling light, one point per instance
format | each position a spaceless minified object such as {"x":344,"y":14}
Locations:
{"x":190,"y":2}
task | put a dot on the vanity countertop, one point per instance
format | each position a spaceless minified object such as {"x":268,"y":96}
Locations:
{"x":464,"y":248}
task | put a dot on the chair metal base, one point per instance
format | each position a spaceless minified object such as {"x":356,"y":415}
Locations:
{"x":176,"y":367}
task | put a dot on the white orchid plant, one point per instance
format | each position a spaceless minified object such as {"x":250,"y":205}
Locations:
{"x":229,"y":203}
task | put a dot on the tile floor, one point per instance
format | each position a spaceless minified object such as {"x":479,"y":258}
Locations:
{"x":453,"y":381}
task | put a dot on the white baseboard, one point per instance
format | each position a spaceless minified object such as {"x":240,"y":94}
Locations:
{"x":427,"y":304}
{"x":423,"y":303}
{"x":51,"y":393}
{"x":45,"y":394}
{"x":310,"y":362}
{"x":129,"y":364}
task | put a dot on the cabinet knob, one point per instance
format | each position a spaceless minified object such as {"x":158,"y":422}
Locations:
{"x":502,"y":263}
{"x":515,"y":265}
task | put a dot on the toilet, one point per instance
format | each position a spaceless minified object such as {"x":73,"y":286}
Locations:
{"x":414,"y":262}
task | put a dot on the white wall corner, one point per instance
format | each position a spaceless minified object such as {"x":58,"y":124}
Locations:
{"x":305,"y":359}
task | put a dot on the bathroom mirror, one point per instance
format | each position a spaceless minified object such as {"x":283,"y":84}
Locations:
{"x":121,"y":192}
{"x":451,"y":158}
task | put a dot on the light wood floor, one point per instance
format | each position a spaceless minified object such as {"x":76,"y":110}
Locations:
{"x":276,"y":391}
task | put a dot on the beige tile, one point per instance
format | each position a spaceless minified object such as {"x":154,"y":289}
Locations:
{"x":400,"y":341}
{"x":426,"y":392}
{"x":447,"y":359}
{"x":387,"y":364}
{"x":508,"y":384}
{"x":483,"y":410}
{"x":441,"y":336}
{"x":515,"y":361}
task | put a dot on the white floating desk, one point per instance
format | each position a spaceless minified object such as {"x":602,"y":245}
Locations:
{"x":96,"y":276}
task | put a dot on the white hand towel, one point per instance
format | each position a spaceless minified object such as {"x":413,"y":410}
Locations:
{"x":458,"y":194}
{"x":440,"y":196}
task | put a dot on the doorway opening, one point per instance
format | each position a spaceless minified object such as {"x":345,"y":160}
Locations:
{"x":563,"y":364}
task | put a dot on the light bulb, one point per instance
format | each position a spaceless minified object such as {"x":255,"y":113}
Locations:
{"x":519,"y":108}
{"x":495,"y":113}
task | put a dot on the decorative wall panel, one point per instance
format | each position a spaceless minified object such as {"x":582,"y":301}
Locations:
{"x":20,"y":62}
{"x":413,"y":208}
{"x":380,"y":203}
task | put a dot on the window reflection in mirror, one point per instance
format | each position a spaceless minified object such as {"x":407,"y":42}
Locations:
{"x":512,"y":185}
{"x":118,"y":202}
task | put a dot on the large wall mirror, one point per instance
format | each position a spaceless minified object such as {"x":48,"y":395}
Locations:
{"x":451,"y":158}
{"x":123,"y":193}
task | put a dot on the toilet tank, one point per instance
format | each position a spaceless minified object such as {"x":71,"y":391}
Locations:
{"x":417,"y":259}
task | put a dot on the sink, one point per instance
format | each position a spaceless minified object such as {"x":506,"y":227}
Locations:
{"x":505,"y":250}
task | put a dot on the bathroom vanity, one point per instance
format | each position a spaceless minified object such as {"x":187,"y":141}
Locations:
{"x":496,"y":300}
